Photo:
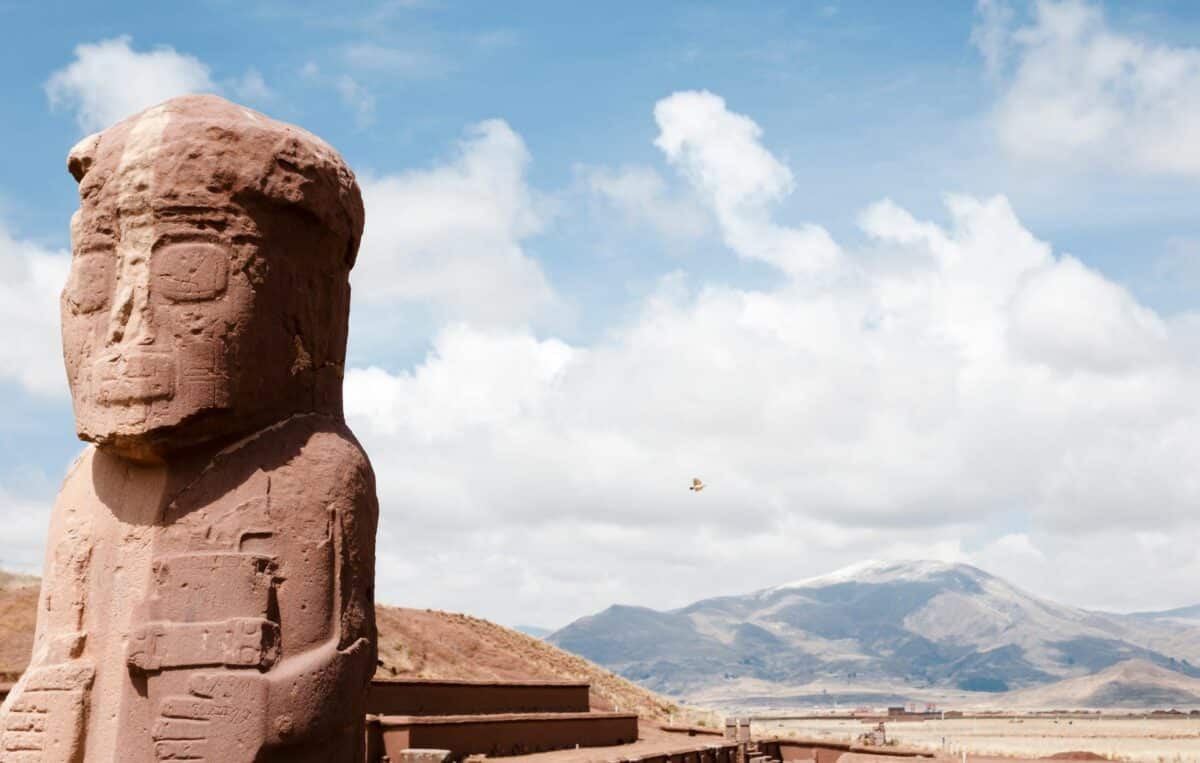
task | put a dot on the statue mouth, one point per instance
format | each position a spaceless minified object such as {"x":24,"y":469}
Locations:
{"x":134,"y":377}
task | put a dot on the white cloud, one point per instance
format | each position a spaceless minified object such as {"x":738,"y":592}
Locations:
{"x":450,"y":238}
{"x":991,"y":33}
{"x":109,"y":80}
{"x":719,"y":152}
{"x":252,"y":87}
{"x":31,"y":278}
{"x":357,"y":98}
{"x":641,"y":196}
{"x":1103,"y":569}
{"x":396,"y":61}
{"x":447,"y":393}
{"x":952,"y":374}
{"x":1117,"y":333}
{"x":1079,"y":93}
{"x":1014,"y":547}
{"x":24,"y":537}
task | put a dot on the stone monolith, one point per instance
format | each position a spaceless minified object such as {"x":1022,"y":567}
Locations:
{"x":208,"y":584}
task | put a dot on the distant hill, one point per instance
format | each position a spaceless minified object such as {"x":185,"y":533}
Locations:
{"x":10,"y":581}
{"x":886,"y":628}
{"x":1126,"y":685}
{"x":533,"y":630}
{"x":412,"y":642}
{"x":1183,"y":615}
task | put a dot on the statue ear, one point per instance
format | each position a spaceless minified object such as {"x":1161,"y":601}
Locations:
{"x":82,"y":156}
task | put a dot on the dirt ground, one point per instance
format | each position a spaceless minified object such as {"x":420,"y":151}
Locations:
{"x":1152,"y":740}
{"x":432,"y":644}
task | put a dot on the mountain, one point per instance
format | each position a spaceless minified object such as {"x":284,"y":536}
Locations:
{"x":1182,"y":616}
{"x":1127,"y":685}
{"x":873,"y":631}
{"x":421,"y":643}
{"x":533,"y":630}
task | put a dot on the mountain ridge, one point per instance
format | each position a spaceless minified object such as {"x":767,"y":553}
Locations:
{"x":1132,"y":684}
{"x":906,"y":625}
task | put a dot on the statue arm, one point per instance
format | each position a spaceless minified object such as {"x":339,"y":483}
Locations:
{"x":47,"y":707}
{"x":302,"y":701}
{"x":314,"y":691}
{"x":309,"y":697}
{"x":60,"y":629}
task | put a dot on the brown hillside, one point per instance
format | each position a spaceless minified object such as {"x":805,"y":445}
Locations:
{"x":432,"y":644}
{"x":412,"y":642}
{"x":18,"y":613}
{"x":1131,"y":684}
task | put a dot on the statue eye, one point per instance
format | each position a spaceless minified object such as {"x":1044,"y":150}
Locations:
{"x":189,"y":271}
{"x":89,"y":282}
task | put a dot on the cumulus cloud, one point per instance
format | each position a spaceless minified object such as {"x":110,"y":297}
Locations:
{"x":109,"y":80}
{"x":31,"y":278}
{"x":720,"y":154}
{"x":451,"y":237}
{"x":1077,"y":92}
{"x":955,"y":373}
{"x":642,"y":197}
{"x":1118,"y":335}
{"x":1103,"y":569}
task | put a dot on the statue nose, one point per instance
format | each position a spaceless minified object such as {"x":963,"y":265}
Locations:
{"x":130,"y":321}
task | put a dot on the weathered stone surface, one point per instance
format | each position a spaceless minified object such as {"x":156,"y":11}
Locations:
{"x":208,"y":577}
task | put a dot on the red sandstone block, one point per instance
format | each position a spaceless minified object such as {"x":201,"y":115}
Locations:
{"x":512,"y":734}
{"x":445,"y":697}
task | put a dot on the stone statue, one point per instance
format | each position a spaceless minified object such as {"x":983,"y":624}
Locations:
{"x":208,"y":588}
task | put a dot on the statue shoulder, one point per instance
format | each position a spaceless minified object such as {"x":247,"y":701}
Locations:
{"x":77,"y":485}
{"x":320,"y":457}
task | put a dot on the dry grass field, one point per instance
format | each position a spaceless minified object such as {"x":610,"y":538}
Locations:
{"x":1145,"y":740}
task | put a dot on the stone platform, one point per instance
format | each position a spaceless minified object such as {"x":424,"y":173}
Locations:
{"x":504,"y":735}
{"x":409,"y":696}
{"x":416,"y":720}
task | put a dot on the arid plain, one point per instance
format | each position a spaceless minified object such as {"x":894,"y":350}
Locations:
{"x":1140,"y":738}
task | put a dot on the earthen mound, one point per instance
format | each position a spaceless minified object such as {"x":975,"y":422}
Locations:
{"x":416,"y":643}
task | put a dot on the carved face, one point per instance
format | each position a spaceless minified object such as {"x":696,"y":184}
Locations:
{"x":150,"y":312}
{"x":193,"y":308}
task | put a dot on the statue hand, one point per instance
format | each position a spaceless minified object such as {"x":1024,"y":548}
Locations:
{"x":221,"y":718}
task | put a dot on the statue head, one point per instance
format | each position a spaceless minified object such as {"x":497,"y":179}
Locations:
{"x":209,"y":288}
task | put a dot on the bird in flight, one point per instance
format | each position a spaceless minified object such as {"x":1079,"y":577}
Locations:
{"x":697,"y":485}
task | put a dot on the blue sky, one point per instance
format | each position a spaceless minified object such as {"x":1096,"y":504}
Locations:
{"x":611,"y":245}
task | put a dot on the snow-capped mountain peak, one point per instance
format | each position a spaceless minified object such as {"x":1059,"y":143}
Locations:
{"x":880,"y":571}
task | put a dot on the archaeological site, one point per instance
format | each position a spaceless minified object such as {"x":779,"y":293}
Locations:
{"x":208,"y":583}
